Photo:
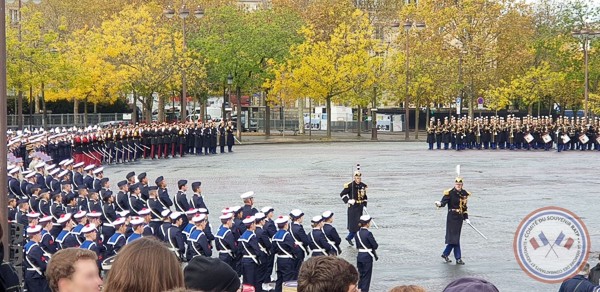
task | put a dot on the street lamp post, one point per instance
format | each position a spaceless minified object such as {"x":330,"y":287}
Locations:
{"x":183,"y":13}
{"x":586,"y":35}
{"x":408,"y":26}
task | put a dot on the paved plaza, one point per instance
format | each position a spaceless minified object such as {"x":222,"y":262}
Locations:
{"x":404,"y":180}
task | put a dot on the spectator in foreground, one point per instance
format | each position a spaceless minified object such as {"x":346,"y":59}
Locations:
{"x":145,"y":265}
{"x":468,"y":284}
{"x":210,"y":274}
{"x":594,"y":276}
{"x":73,"y":270}
{"x":316,"y":275}
{"x":408,"y":288}
{"x":9,"y":281}
{"x":579,"y":283}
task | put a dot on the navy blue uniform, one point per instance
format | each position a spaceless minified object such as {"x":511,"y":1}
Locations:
{"x":366,"y":245}
{"x":135,"y":204}
{"x":197,"y":202}
{"x":88,"y":182}
{"x":226,"y":246}
{"x":35,"y":264}
{"x":47,"y":243}
{"x":248,"y":210}
{"x":250,"y":260}
{"x":90,"y":245}
{"x":265,"y":258}
{"x":175,"y":239}
{"x":121,"y":201}
{"x":301,"y":239}
{"x":578,"y":283}
{"x":457,"y":212}
{"x":319,"y":246}
{"x":163,"y":196}
{"x":198,"y":245}
{"x":66,"y":239}
{"x":114,"y":244}
{"x":285,"y":251}
{"x":332,"y":237}
{"x":181,"y":203}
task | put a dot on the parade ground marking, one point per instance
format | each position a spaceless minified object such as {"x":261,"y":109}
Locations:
{"x":551,"y":244}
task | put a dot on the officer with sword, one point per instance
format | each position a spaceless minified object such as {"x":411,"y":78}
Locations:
{"x":456,"y":199}
{"x":354,"y":195}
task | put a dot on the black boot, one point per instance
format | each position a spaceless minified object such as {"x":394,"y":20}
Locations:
{"x":460,"y":262}
{"x":446,"y":259}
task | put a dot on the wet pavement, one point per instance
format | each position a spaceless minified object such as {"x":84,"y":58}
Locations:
{"x":404,"y":180}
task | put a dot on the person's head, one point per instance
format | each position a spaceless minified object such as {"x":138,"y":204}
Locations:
{"x":364,"y":221}
{"x":66,"y":187}
{"x":297,"y":216}
{"x":196,"y":187}
{"x":408,"y":288}
{"x":12,"y":202}
{"x":249,"y":223}
{"x":83,"y":192}
{"x":73,"y":270}
{"x":210,"y":274}
{"x":282,"y":222}
{"x":182,"y":185}
{"x":327,"y":217}
{"x":317,"y":222}
{"x":584,"y":269}
{"x":458,"y":183}
{"x":468,"y":284}
{"x":227,"y":220}
{"x":357,"y":177}
{"x":144,"y":265}
{"x":316,"y":273}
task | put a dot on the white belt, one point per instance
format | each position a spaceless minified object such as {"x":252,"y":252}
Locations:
{"x":317,"y":250}
{"x":283,"y":256}
{"x":365,"y":250}
{"x":250,"y":256}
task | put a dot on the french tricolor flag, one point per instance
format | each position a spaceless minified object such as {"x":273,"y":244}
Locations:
{"x":560,"y":241}
{"x":537,"y":240}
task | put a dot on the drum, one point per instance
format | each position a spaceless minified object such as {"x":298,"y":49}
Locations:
{"x":528,"y":138}
{"x":291,"y":286}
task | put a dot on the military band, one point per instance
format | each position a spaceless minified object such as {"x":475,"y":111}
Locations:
{"x":118,"y":144}
{"x":514,"y":133}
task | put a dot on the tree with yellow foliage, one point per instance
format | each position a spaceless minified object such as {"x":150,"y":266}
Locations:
{"x":327,"y":70}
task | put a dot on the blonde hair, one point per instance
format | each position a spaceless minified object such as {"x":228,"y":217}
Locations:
{"x":145,"y":265}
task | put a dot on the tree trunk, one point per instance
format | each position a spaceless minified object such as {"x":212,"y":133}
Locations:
{"x":38,"y":104}
{"x":417,"y":112}
{"x":95,"y":107}
{"x":147,"y":101}
{"x":328,"y":109}
{"x":75,"y":111}
{"x":267,"y":115}
{"x":19,"y":112}
{"x":43,"y":106}
{"x":359,"y":121}
{"x":134,"y":108}
{"x":530,"y":109}
{"x":161,"y":108}
{"x":85,"y":112}
{"x":301,"y":115}
{"x":238,"y":92}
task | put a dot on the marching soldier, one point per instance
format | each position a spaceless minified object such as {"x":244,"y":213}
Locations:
{"x":197,"y":241}
{"x":367,"y":246}
{"x":456,"y":200}
{"x":35,"y":262}
{"x":117,"y":240}
{"x":248,"y":209}
{"x":331,"y":234}
{"x":251,"y":253}
{"x":300,"y":238}
{"x":286,"y":252}
{"x":181,"y":202}
{"x":319,"y":246}
{"x":225,"y":242}
{"x":355,"y":195}
{"x":197,"y":200}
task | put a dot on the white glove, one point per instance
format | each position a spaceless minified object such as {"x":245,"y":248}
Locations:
{"x":351,"y":202}
{"x":438,"y":204}
{"x":467,"y":221}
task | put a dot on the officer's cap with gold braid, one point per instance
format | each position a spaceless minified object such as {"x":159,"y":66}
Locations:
{"x":458,"y":180}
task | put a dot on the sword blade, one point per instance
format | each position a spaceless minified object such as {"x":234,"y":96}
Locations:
{"x":477,"y":230}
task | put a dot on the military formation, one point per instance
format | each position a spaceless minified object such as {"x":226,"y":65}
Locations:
{"x":514,"y":133}
{"x":120,"y":144}
{"x":71,"y":204}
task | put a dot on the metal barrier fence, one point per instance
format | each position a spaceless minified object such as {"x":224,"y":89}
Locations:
{"x":63,"y":120}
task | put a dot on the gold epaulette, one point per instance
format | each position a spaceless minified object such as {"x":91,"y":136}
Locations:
{"x":346,"y":185}
{"x":468,"y":194}
{"x":447,"y":192}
